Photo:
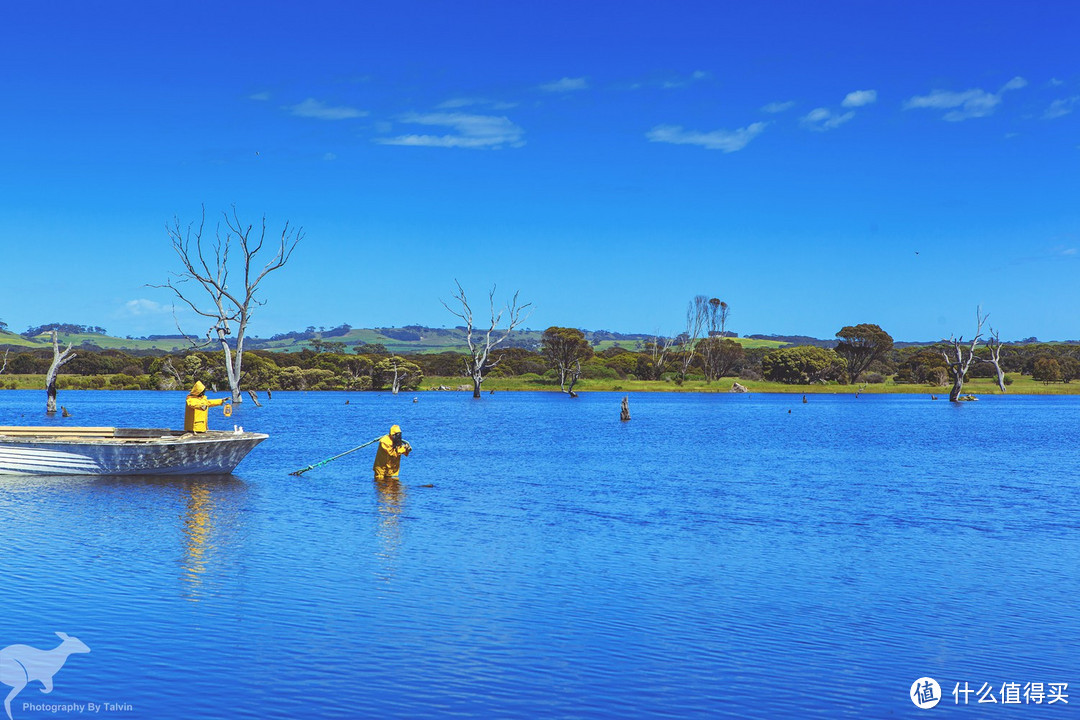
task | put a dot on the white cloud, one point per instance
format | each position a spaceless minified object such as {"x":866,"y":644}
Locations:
{"x":778,"y":107}
{"x":681,"y":81}
{"x":822,"y":119}
{"x":142,"y":307}
{"x":858,"y":98}
{"x":259,"y":96}
{"x":455,"y":103}
{"x":964,"y":105}
{"x":1015,"y":84}
{"x":466,"y":131}
{"x":566,"y":85}
{"x":1061,"y":107}
{"x":727,"y":141}
{"x":312,"y":108}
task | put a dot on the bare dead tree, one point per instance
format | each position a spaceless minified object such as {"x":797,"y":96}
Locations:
{"x":717,"y":313}
{"x":208,"y":265}
{"x":658,"y":351}
{"x":174,"y":376}
{"x":59,"y":359}
{"x":4,"y":367}
{"x":962,"y":356}
{"x":478,"y":363}
{"x":401,"y":374}
{"x":993,"y":344}
{"x":697,"y":311}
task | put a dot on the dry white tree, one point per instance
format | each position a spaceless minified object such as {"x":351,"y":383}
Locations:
{"x":59,"y":359}
{"x":963,"y":354}
{"x":228,"y":270}
{"x":482,"y":342}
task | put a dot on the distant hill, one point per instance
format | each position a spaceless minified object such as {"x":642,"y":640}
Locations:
{"x":405,"y":339}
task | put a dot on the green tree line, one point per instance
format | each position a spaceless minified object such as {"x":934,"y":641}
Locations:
{"x":851,"y":360}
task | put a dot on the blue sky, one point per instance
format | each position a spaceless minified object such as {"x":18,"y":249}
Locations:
{"x":813,"y":164}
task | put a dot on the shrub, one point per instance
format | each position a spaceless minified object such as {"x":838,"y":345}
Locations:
{"x":596,"y":370}
{"x":803,"y":365}
{"x":873,"y":378}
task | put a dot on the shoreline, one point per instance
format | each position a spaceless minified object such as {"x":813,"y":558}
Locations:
{"x":1022,"y":385}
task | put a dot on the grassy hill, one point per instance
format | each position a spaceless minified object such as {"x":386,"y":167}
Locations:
{"x":410,"y":339}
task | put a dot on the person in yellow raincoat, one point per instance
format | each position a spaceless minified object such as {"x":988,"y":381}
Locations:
{"x":388,"y":457}
{"x":197,"y":405}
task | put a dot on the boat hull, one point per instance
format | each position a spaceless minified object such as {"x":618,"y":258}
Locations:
{"x":211,"y":453}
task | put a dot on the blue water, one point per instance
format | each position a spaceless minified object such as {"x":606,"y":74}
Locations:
{"x":718,"y":556}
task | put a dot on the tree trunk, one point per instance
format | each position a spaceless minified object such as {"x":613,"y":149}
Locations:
{"x":1000,"y":377}
{"x":476,"y":385}
{"x":50,"y":393}
{"x":231,"y":369}
{"x":957,"y":387}
{"x":59,"y":358}
{"x":624,"y":415}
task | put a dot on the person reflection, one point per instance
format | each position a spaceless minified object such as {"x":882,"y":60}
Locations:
{"x":198,"y":524}
{"x":391,"y":499}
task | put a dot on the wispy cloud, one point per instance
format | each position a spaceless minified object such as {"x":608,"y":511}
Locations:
{"x":1061,"y":107}
{"x":460,"y":102}
{"x":312,"y":108}
{"x":681,"y":81}
{"x":727,"y":141}
{"x":142,"y":307}
{"x":822,"y":119}
{"x":566,"y":85}
{"x":261,"y":96}
{"x":778,"y":107}
{"x":858,"y":98}
{"x":463,"y":131}
{"x":966,"y":104}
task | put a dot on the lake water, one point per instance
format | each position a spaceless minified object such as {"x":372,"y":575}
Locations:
{"x":722,"y":555}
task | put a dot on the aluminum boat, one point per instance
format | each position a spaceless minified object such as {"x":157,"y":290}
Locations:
{"x":121,"y":451}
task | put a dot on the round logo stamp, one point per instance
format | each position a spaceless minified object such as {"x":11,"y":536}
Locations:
{"x":925,"y":693}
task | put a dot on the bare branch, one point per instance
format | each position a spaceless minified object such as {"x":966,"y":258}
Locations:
{"x":477,"y":364}
{"x":211,"y":269}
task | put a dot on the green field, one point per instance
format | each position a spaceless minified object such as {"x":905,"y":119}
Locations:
{"x":1022,"y":385}
{"x":433,"y":340}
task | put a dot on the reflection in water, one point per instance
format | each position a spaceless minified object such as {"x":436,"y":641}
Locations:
{"x":391,"y":502}
{"x":208,"y":522}
{"x":198,"y":525}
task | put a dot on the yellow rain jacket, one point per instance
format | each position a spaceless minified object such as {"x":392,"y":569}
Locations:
{"x":197,"y":404}
{"x":388,"y":457}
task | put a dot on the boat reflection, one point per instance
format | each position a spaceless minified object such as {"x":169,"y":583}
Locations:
{"x":205,"y":505}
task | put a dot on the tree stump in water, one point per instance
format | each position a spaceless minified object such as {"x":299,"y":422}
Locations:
{"x":254,"y":398}
{"x":625,"y":414}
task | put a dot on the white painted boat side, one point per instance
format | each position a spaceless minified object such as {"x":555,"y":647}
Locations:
{"x":216,"y":453}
